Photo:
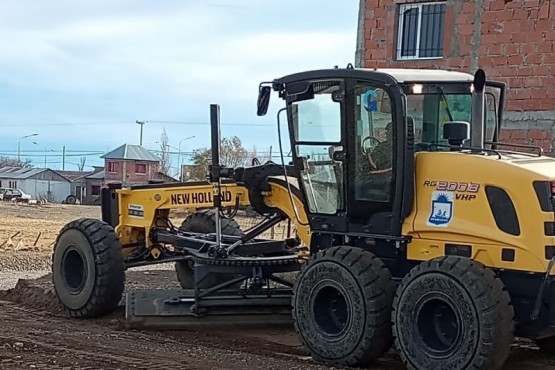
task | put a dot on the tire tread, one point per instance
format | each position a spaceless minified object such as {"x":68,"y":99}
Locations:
{"x":109,"y":267}
{"x":375,"y":281}
{"x":492,"y":302}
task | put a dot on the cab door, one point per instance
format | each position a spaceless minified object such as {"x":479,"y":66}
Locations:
{"x":375,"y":164}
{"x":316,"y":116}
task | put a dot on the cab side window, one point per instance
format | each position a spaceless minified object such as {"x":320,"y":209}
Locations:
{"x":374,"y":143}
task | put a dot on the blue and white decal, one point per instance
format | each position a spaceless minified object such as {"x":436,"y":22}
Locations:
{"x":442,"y":209}
{"x":136,"y":211}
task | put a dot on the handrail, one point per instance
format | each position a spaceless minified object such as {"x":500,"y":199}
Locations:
{"x":539,"y":148}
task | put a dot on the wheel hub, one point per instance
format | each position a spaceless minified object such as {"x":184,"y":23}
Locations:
{"x":439,"y":326}
{"x":74,"y":270}
{"x":331,"y":309}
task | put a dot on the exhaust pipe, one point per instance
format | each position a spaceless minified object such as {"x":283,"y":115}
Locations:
{"x":478,"y":110}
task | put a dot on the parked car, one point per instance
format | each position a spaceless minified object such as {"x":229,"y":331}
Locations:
{"x":17,"y":194}
{"x":2,"y":191}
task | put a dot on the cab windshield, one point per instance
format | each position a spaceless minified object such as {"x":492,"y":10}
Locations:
{"x":431,"y":106}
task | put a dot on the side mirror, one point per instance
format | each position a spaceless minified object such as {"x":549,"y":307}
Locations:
{"x":263,"y":100}
{"x":456,"y":132}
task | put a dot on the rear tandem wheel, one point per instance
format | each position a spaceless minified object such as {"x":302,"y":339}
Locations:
{"x":452,"y":313}
{"x":342,"y":306}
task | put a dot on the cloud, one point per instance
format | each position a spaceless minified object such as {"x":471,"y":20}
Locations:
{"x":118,"y":61}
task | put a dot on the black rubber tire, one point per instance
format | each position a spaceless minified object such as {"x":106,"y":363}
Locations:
{"x":71,"y":199}
{"x":88,"y":270}
{"x":341,"y":306}
{"x":452,"y":313}
{"x":203,"y":221}
{"x":546,"y":345}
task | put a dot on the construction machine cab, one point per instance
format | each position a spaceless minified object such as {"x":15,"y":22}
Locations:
{"x":354,"y":134}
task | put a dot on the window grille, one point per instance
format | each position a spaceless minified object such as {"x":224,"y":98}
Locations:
{"x":421,"y":31}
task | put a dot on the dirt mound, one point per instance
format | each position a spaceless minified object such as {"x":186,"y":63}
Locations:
{"x":33,"y":293}
{"x":39,"y":293}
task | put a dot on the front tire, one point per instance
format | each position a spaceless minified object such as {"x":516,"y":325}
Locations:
{"x":452,"y":313}
{"x":88,"y":270}
{"x":342,"y":306}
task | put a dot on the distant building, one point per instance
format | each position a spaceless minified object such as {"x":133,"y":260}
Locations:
{"x":512,"y":40}
{"x":94,"y":183}
{"x":132,"y":164}
{"x":37,"y":182}
{"x":78,"y":183}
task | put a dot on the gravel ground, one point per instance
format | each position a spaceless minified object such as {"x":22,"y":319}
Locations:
{"x":36,"y":333}
{"x":24,"y":265}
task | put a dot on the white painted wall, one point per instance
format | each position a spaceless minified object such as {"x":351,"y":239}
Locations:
{"x":38,"y":188}
{"x":59,"y":189}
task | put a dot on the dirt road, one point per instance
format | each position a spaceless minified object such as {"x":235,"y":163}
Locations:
{"x":34,"y":334}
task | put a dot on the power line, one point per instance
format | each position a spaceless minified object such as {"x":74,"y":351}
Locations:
{"x":42,"y":124}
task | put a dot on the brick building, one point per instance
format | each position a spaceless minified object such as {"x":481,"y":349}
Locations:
{"x":131,"y":164}
{"x":512,"y":40}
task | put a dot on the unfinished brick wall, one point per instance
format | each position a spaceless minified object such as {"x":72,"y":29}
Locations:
{"x":512,"y":40}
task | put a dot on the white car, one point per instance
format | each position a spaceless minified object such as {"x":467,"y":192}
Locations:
{"x":14,"y":194}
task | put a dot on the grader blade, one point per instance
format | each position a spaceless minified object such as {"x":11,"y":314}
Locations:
{"x":178,"y":309}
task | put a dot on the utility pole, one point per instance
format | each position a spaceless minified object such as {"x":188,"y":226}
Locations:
{"x":142,"y":124}
{"x":45,"y":150}
{"x":64,"y":158}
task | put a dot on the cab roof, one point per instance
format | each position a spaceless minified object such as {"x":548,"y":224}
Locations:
{"x":386,"y":75}
{"x":422,"y":75}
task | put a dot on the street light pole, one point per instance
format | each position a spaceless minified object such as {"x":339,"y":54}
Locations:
{"x":34,"y":142}
{"x":142,"y":124}
{"x":19,"y":145}
{"x":179,"y":157}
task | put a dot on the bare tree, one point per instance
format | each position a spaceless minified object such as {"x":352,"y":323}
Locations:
{"x":261,"y":156}
{"x":81,"y":165}
{"x":14,"y":162}
{"x":165,"y":160}
{"x":232,"y":154}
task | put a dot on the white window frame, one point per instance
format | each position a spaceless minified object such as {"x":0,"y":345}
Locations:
{"x":402,"y":9}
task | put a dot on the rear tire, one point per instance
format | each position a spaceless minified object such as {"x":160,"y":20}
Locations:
{"x":546,"y":345}
{"x":88,"y":271}
{"x":342,"y":306}
{"x":203,"y":222}
{"x":452,"y":313}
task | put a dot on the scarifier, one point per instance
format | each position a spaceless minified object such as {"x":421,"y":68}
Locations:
{"x":412,"y":225}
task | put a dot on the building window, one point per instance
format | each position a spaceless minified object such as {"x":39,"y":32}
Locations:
{"x":113,"y":166}
{"x":95,"y":190}
{"x":140,"y":168}
{"x":421,"y":31}
{"x":12,"y":184}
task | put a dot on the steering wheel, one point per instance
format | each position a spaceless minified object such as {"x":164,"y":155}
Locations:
{"x":368,"y":144}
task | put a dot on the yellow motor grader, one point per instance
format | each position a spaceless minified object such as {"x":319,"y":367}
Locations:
{"x":412,"y":225}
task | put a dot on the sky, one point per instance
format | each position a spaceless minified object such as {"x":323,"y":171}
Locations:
{"x":80,"y":73}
